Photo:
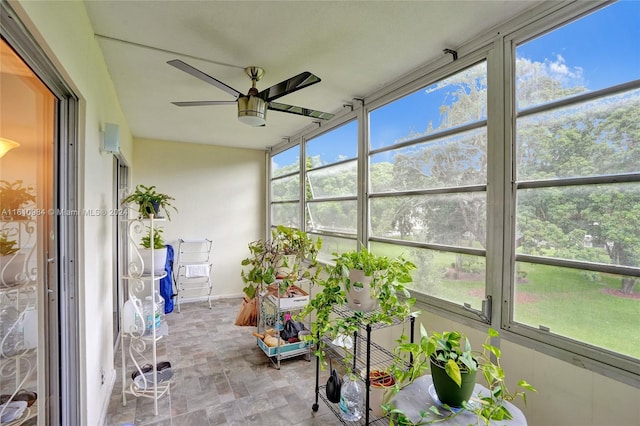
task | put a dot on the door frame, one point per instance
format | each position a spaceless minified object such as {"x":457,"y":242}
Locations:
{"x":62,"y":313}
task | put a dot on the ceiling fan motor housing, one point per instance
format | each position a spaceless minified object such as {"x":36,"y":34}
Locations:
{"x":252,"y":110}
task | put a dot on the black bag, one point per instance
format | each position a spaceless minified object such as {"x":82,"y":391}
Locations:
{"x":333,"y":386}
{"x":291,"y":329}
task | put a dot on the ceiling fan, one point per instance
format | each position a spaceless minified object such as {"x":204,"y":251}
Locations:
{"x":252,"y":107}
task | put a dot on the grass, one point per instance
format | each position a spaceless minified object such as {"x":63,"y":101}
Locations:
{"x":567,"y":301}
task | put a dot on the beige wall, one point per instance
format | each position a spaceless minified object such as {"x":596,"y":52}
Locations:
{"x":219,"y":193}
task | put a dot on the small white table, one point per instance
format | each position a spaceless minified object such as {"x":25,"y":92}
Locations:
{"x":416,"y":397}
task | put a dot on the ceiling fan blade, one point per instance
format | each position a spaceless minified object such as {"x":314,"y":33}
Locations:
{"x":300,"y":111}
{"x":203,"y":103}
{"x":291,"y":85}
{"x":204,"y":77}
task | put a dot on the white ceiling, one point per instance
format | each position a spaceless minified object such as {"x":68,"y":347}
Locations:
{"x":355,"y":47}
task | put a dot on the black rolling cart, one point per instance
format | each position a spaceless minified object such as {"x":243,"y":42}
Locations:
{"x":367,"y":355}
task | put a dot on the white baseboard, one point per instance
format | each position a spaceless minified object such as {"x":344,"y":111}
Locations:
{"x":105,"y":404}
{"x":204,"y":298}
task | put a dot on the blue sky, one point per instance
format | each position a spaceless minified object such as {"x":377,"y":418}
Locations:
{"x":599,"y":50}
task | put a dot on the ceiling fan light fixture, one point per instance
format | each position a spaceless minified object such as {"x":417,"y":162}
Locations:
{"x":252,"y":111}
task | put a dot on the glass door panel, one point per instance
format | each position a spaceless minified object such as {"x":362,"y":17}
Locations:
{"x":27,"y":239}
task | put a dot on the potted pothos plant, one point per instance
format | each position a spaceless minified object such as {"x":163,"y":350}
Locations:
{"x":150,"y":201}
{"x":267,"y":262}
{"x":389,"y":277}
{"x":14,"y":198}
{"x":454,"y":365}
{"x":370,"y":280}
{"x":156,"y":241}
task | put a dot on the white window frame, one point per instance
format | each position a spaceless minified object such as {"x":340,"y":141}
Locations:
{"x":497,"y":47}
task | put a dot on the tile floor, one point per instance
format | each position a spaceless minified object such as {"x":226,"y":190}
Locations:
{"x":221,"y":377}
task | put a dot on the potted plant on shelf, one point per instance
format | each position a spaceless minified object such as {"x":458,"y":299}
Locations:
{"x":267,"y":260}
{"x":382,"y":384}
{"x":14,"y":198}
{"x":292,"y":247}
{"x":453,"y":367}
{"x":159,"y":251}
{"x":387,"y":287}
{"x":369,"y":279}
{"x":150,"y":201}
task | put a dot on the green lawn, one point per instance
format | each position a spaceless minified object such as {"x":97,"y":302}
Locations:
{"x":565,"y":300}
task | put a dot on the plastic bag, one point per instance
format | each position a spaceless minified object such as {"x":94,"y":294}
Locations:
{"x":291,"y":329}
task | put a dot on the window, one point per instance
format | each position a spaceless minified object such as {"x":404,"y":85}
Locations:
{"x":428,"y":183}
{"x":577,"y":189}
{"x":332,"y":188}
{"x":533,"y":202}
{"x":285,"y":188}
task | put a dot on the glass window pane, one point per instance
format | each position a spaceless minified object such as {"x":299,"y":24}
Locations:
{"x":454,"y":219}
{"x":455,"y":101}
{"x":458,"y":278}
{"x":286,"y":162}
{"x":597,"y":223}
{"x":287,"y":214}
{"x":591,"y":307}
{"x":595,"y":52}
{"x":286,"y":189}
{"x":600,"y":137}
{"x":336,"y":145}
{"x":456,"y":160}
{"x":333,"y":181}
{"x":331,"y":245}
{"x":333,"y":216}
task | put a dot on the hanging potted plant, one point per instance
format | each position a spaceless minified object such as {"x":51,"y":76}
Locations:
{"x":159,"y":251}
{"x":150,"y":201}
{"x":14,"y":200}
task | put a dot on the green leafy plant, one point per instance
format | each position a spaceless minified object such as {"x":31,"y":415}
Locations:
{"x":267,"y":256}
{"x":14,"y":196}
{"x":7,"y":246}
{"x":293,"y":241}
{"x":149,"y":201}
{"x":156,"y":239}
{"x":452,"y":350}
{"x":388,"y":287}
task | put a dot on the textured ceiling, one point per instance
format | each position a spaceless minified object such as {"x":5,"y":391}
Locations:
{"x":355,"y":47}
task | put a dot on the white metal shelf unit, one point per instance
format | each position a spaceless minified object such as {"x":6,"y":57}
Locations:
{"x":192,"y":271}
{"x":140,"y":329}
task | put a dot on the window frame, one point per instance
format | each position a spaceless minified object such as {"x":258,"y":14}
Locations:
{"x":497,"y":47}
{"x":443,"y":307}
{"x":612,"y":364}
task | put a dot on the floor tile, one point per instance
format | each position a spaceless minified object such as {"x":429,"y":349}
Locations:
{"x":221,"y":377}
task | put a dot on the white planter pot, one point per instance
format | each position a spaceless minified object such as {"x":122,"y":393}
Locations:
{"x":286,"y":265}
{"x":359,"y":295}
{"x":159,"y":260}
